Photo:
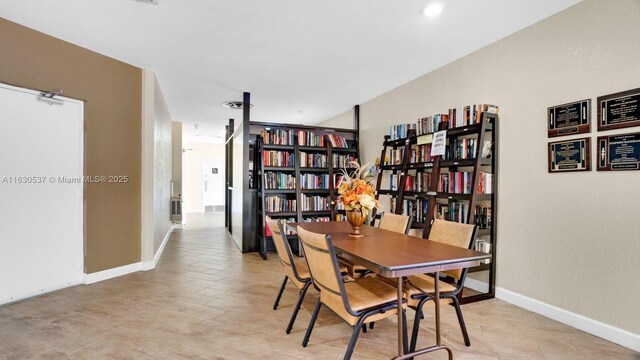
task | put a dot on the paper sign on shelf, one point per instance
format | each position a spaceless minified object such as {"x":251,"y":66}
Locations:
{"x":439,"y":143}
{"x":424,"y":139}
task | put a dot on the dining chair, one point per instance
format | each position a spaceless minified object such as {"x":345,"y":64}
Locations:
{"x":388,"y":221}
{"x":451,"y":233}
{"x":357,"y":302}
{"x":295,"y":271}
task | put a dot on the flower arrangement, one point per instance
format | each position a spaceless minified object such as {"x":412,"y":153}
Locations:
{"x":355,"y":190}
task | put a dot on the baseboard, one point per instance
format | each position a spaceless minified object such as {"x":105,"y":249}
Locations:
{"x":597,"y":328}
{"x":151,"y":264}
{"x":41,"y":292}
{"x":111,"y":273}
{"x":476,"y":285}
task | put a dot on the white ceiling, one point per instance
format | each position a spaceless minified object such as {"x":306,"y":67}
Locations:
{"x":203,"y":133}
{"x":303,"y":61}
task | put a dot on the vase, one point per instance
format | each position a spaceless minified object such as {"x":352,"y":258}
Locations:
{"x":356,"y":219}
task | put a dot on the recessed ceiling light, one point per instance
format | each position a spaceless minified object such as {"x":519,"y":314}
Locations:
{"x":434,"y":9}
{"x":238,"y":105}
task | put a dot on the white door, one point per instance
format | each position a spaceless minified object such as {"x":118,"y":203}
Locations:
{"x":41,"y":168}
{"x":213,"y":185}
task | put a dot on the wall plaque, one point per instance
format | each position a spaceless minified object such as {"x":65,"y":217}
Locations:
{"x":568,"y":119}
{"x":619,"y":152}
{"x":570,"y":155}
{"x":619,"y":110}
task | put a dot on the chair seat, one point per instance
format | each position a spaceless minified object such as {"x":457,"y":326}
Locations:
{"x":303,"y":269}
{"x":426,"y":283}
{"x":369,"y":292}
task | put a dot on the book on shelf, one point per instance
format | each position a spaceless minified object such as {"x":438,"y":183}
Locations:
{"x":485,"y":183}
{"x":396,"y":157}
{"x":314,"y":181}
{"x":417,"y":209}
{"x":277,"y":136}
{"x":421,"y":154}
{"x":482,"y":217}
{"x":315,"y":203}
{"x":337,"y":141}
{"x":420,"y":182}
{"x":483,"y":244}
{"x":267,"y":230}
{"x":275,"y":203}
{"x":455,"y":118}
{"x":279,"y":181}
{"x":452,"y":211}
{"x":456,"y":182}
{"x":314,"y":160}
{"x":342,"y":161}
{"x":278,"y":158}
{"x":309,"y":138}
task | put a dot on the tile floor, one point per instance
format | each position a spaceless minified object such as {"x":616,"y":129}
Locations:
{"x":207,"y":301}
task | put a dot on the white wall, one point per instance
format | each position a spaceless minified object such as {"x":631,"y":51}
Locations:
{"x":176,"y":161}
{"x":157,"y":169}
{"x":570,"y":240}
{"x":193,"y":181}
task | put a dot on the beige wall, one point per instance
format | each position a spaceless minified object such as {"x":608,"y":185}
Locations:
{"x":571,"y":240}
{"x":193,"y":183}
{"x":112,"y":90}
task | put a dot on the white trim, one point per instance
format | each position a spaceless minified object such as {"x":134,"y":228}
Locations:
{"x":477,"y":285}
{"x":597,"y":328}
{"x":150,"y":265}
{"x":41,"y":292}
{"x":111,"y":273}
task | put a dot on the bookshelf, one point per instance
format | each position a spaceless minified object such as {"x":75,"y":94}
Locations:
{"x":460,"y":186}
{"x":297,"y":175}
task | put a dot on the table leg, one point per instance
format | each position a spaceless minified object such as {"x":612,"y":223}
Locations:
{"x":400,"y":320}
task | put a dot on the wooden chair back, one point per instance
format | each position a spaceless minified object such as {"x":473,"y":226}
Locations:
{"x":394,"y":222}
{"x":453,"y":233}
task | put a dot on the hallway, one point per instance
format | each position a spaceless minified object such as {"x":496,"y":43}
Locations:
{"x":205,"y":300}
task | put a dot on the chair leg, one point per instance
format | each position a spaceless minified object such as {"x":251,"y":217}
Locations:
{"x":405,"y":340}
{"x":364,"y":328}
{"x":416,"y":324}
{"x":354,"y":338}
{"x":297,"y":308}
{"x":284,"y":283}
{"x":372,"y":324}
{"x":463,"y":327}
{"x":312,"y":322}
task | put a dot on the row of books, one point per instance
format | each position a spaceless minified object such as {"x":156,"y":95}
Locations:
{"x":279,"y":204}
{"x":421,"y":182}
{"x":278,"y":158}
{"x":314,"y":181}
{"x":456,"y":117}
{"x":313,"y":160}
{"x":485,"y":183}
{"x":421,"y":153}
{"x":459,"y":149}
{"x":304,"y":137}
{"x":417,"y":209}
{"x":456,"y":182}
{"x":315,"y":203}
{"x":396,"y":157}
{"x":452,"y":211}
{"x":342,"y":161}
{"x":317,"y":219}
{"x":337,"y":141}
{"x":278,"y":180}
{"x":482,"y":217}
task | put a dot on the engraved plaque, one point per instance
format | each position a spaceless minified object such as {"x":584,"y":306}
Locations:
{"x":619,"y":152}
{"x":570,"y":155}
{"x":569,"y":119}
{"x":619,"y":110}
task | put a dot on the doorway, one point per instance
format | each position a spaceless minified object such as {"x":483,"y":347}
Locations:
{"x":213,"y":185}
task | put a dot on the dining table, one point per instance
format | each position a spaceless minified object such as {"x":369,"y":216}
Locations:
{"x":398,"y":256}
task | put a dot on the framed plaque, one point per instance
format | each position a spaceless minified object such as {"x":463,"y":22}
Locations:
{"x":570,"y":155}
{"x":619,"y":110}
{"x":568,"y":119}
{"x":619,"y":152}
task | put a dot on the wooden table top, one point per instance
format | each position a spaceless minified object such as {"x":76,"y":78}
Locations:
{"x":393,"y":254}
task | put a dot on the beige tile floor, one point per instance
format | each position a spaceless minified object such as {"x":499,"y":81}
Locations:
{"x":207,"y":301}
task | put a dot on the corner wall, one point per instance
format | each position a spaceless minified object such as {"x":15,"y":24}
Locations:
{"x":570,"y":240}
{"x":113,"y":94}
